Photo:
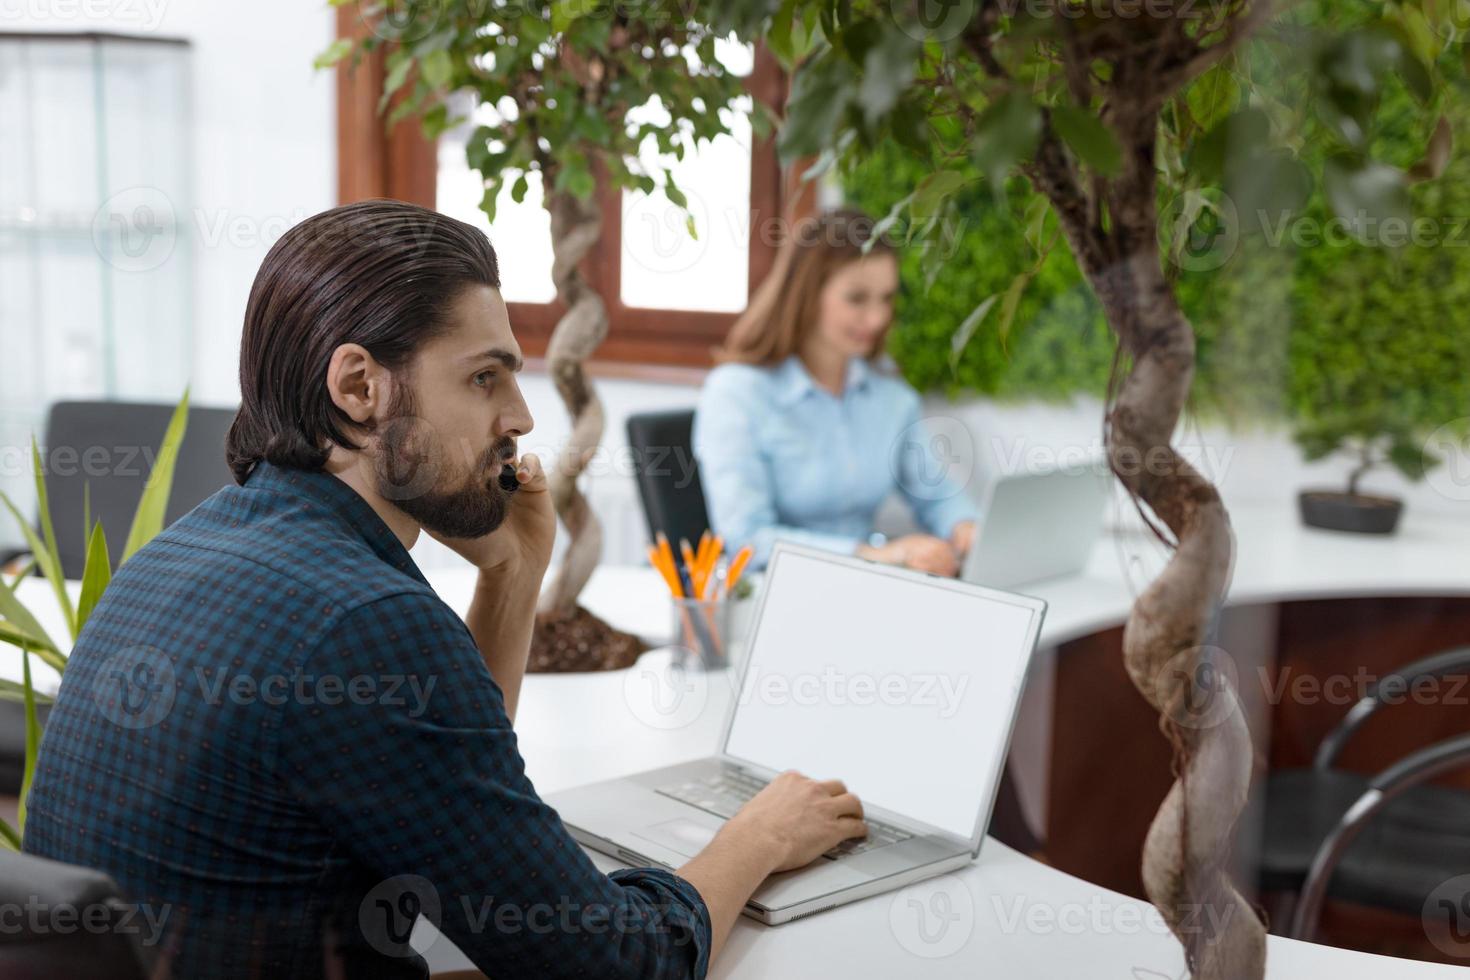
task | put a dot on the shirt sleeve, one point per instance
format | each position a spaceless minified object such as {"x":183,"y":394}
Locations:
{"x":736,"y":476}
{"x":415,"y":767}
{"x":938,"y":501}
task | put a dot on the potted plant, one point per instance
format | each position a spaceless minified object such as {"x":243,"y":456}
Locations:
{"x":20,"y":629}
{"x":566,"y":83}
{"x":1372,"y":444}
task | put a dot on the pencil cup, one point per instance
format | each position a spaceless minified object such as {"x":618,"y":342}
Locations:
{"x":702,"y":629}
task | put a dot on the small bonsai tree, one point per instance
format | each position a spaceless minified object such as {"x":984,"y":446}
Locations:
{"x":1371,"y":442}
{"x":562,"y":79}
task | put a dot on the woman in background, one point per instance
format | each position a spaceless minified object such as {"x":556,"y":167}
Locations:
{"x":801,"y":434}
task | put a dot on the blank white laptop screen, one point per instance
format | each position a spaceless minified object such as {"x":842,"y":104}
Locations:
{"x":902,"y":688}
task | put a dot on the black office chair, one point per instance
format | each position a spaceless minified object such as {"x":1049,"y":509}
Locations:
{"x":112,"y":946}
{"x":1388,"y":840}
{"x":110,"y":448}
{"x":668,"y":479}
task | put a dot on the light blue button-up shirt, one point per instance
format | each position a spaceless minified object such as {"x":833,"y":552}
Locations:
{"x":782,"y":458}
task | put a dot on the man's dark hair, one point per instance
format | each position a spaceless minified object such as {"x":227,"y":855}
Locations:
{"x":377,"y":273}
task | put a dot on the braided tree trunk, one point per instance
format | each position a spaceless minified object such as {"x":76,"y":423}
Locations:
{"x":1185,"y":851}
{"x":567,"y":636}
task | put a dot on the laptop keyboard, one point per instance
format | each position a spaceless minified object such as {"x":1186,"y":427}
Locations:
{"x":726,"y":793}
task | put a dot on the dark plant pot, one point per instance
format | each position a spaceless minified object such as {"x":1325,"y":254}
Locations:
{"x":1359,"y":513}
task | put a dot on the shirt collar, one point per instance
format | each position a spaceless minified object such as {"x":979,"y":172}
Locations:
{"x":343,"y":503}
{"x":794,"y":382}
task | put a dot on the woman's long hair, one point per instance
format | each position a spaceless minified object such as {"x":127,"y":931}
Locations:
{"x":783,"y":309}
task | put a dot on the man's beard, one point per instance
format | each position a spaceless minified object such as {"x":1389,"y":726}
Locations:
{"x":410,"y":455}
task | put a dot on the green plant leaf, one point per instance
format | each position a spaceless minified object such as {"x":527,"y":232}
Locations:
{"x":95,"y":577}
{"x":436,"y":68}
{"x":52,"y":563}
{"x":33,"y":740}
{"x":334,"y":53}
{"x":25,"y":573}
{"x":17,"y":637}
{"x":148,"y":520}
{"x":1365,"y":194}
{"x":1093,"y":143}
{"x":888,"y":68}
{"x":932,"y":191}
{"x":12,"y":691}
{"x":1011,"y":302}
{"x":9,"y":836}
{"x":966,"y":330}
{"x":1006,"y":133}
{"x":14,"y":614}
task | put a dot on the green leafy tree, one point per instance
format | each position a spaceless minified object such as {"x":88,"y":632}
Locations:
{"x":563,"y":79}
{"x":1150,"y":136}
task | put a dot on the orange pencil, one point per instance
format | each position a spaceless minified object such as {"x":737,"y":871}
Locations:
{"x":666,"y":551}
{"x":701,"y":553}
{"x":656,"y":560}
{"x":690,"y":567}
{"x":716,"y":548}
{"x":736,"y":567}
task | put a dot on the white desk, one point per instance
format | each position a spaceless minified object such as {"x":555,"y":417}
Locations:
{"x":1006,"y":916}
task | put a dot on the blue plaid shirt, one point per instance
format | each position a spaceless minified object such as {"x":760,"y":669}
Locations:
{"x":285,"y":747}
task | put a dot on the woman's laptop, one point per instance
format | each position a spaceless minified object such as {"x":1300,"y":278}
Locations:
{"x":1039,"y":526}
{"x":901,"y":684}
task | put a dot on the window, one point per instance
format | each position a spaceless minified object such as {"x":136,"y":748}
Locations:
{"x":670,"y":299}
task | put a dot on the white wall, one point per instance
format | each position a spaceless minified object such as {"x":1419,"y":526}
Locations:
{"x":264,"y":144}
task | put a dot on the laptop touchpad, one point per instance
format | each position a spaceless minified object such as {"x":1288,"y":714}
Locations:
{"x":681,"y":835}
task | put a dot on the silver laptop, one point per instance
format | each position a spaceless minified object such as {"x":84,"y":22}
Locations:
{"x":901,"y":684}
{"x":1038,"y":526}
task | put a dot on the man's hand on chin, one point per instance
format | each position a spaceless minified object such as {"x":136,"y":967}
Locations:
{"x":520,"y":549}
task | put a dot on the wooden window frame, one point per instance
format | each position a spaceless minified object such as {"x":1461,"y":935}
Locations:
{"x":402,"y":164}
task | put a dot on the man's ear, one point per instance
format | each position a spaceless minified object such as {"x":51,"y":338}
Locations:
{"x":358,"y":384}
